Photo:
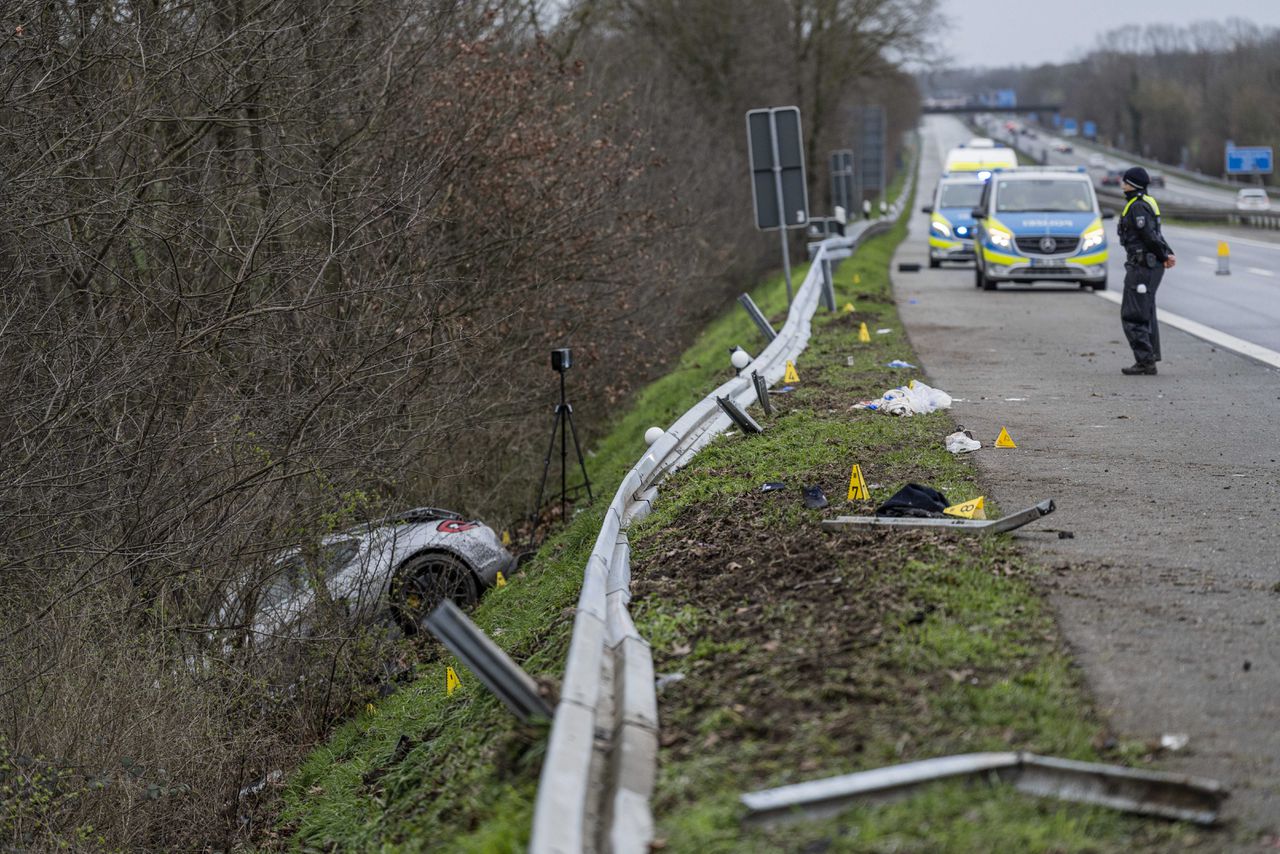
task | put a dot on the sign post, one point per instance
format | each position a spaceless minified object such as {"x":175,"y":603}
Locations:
{"x":779,"y":190}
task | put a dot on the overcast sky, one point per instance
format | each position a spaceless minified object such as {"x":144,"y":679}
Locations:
{"x":1030,"y":33}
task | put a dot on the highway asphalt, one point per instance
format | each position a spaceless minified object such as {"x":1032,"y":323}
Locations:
{"x":1168,"y":592}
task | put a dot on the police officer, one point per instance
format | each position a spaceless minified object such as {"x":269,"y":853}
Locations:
{"x":1147,"y":256}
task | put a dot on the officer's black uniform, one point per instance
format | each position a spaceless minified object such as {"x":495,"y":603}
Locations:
{"x":1145,"y":253}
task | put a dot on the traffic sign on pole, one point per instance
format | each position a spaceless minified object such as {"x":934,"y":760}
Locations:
{"x":842,"y":179}
{"x":1250,"y":160}
{"x":779,"y":189}
{"x":871,"y":165}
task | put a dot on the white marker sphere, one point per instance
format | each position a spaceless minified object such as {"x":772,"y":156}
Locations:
{"x":653,"y":434}
{"x":740,"y":359}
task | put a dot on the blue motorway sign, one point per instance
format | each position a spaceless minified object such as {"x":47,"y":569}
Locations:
{"x":1253,"y":160}
{"x":1090,"y":130}
{"x":1057,"y":120}
{"x":1006,"y":98}
{"x":1069,"y":127}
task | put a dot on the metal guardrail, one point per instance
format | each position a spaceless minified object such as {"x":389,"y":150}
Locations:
{"x":598,"y":774}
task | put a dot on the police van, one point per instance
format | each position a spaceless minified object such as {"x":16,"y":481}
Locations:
{"x":951,"y":217}
{"x":1040,"y":224}
{"x":978,"y":156}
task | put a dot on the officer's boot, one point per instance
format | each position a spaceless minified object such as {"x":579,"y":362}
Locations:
{"x":1139,"y":368}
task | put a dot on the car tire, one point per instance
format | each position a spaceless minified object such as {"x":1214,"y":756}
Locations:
{"x":934,"y":264}
{"x":424,"y":581}
{"x":986,"y":282}
{"x":1099,"y":286}
{"x":977,"y":275}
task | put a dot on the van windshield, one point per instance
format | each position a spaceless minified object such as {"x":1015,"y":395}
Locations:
{"x":960,"y":195}
{"x":1044,"y":195}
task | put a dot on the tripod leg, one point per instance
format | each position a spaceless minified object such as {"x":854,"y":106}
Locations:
{"x":542,"y":485}
{"x":564,"y":467}
{"x":581,"y":461}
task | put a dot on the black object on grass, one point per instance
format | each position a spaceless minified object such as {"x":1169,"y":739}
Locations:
{"x":814,"y":497}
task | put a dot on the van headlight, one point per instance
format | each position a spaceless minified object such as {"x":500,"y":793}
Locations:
{"x":1091,"y":239}
{"x":941,"y":228}
{"x":1000,"y":237}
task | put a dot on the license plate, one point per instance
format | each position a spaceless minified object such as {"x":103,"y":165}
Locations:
{"x":1045,"y":262}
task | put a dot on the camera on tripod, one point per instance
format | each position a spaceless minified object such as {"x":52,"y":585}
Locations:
{"x":561,"y":360}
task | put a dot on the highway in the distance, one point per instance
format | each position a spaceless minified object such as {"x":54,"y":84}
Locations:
{"x":1244,"y":304}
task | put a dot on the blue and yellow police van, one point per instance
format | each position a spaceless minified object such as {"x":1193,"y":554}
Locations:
{"x":1040,"y":224}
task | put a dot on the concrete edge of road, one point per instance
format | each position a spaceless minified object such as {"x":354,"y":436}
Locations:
{"x":1208,"y":333}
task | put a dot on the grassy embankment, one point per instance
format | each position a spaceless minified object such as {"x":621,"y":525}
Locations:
{"x":807,"y":654}
{"x":425,"y":771}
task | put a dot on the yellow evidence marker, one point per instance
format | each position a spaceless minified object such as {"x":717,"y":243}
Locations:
{"x":791,"y":376}
{"x":848,"y":308}
{"x":968,"y":509}
{"x":451,"y":682}
{"x":506,"y":538}
{"x":863,"y":335}
{"x":1004,"y":440}
{"x":858,"y":485}
{"x":857,"y":278}
{"x":500,"y":582}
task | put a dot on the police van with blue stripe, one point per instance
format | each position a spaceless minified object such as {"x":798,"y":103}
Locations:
{"x":1040,"y":224}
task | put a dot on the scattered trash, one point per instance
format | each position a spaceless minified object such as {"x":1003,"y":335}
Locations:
{"x":962,"y":442}
{"x":1248,"y":665}
{"x":772,"y":486}
{"x":912,"y":301}
{"x":1174,"y":740}
{"x":906,"y":267}
{"x":883,"y":331}
{"x":261,"y":783}
{"x":898,"y":363}
{"x":915,"y":500}
{"x":964,"y":526}
{"x":814,"y":497}
{"x":1004,"y":440}
{"x":914,"y":398}
{"x":666,"y":679}
{"x":1014,"y":399}
{"x":1173,"y":796}
{"x":786,"y":389}
{"x":1066,"y":535}
{"x":848,"y":360}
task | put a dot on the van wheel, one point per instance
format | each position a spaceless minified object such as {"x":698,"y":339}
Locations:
{"x":1099,"y":286}
{"x":934,"y":264}
{"x":986,"y":282}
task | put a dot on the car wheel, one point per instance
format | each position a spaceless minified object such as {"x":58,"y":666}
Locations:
{"x":1099,"y":286}
{"x":986,"y":282}
{"x":977,"y":275}
{"x":424,"y":581}
{"x":934,"y":263}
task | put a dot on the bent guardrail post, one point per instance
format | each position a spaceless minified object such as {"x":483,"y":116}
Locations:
{"x":757,"y":316}
{"x":491,"y":665}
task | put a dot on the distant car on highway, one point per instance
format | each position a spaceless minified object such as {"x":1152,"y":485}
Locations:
{"x":1156,"y":177}
{"x":1063,"y":147}
{"x":1097,"y":160}
{"x":395,"y":570}
{"x":1040,"y":224}
{"x":1253,"y":199}
{"x":1113,"y":178}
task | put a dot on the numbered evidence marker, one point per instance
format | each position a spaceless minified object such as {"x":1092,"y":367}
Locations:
{"x":968,"y":509}
{"x":848,"y":308}
{"x":506,"y":538}
{"x":500,"y":582}
{"x":451,"y":681}
{"x":863,"y":335}
{"x":858,"y":485}
{"x":1004,"y":440}
{"x":791,"y":376}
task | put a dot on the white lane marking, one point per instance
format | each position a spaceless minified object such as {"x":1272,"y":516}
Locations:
{"x":1205,"y":259}
{"x":1259,"y":271}
{"x":1208,"y":333}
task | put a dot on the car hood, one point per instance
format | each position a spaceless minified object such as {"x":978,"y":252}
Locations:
{"x":1024,"y":224}
{"x":957,"y":216}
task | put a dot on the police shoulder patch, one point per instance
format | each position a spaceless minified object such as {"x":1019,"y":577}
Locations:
{"x":1140,"y":221}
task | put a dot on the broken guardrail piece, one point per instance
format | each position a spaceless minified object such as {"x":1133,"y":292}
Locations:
{"x":1174,"y":796}
{"x":967,"y":526}
{"x":762,"y":392}
{"x":745,"y":422}
{"x":491,"y":665}
{"x":757,"y":316}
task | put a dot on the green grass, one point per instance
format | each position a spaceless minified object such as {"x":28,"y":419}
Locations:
{"x":910,"y":645}
{"x":465,"y":775}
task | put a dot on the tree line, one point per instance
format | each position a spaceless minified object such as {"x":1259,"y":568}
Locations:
{"x":1176,"y":94}
{"x":271,"y":269}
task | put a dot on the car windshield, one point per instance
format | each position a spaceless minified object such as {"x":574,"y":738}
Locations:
{"x":966,"y":195}
{"x":290,"y":575}
{"x":1044,"y":195}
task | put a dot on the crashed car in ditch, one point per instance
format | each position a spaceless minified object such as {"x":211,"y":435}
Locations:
{"x":394,"y":570}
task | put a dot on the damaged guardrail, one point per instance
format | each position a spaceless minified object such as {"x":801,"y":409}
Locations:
{"x":598,"y":774}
